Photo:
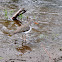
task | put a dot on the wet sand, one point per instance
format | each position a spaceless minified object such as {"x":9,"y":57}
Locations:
{"x":43,"y":42}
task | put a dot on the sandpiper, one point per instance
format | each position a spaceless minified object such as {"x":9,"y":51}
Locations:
{"x":23,"y":28}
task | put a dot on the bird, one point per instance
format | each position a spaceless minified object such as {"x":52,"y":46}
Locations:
{"x":23,"y":28}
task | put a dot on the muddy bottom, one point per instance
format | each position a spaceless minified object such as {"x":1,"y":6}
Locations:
{"x":43,"y":43}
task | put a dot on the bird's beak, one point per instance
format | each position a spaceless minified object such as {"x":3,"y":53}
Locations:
{"x":36,"y":23}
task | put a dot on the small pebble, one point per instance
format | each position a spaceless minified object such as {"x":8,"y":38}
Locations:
{"x":60,"y":49}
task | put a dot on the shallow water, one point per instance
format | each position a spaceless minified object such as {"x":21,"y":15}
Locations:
{"x":48,"y":15}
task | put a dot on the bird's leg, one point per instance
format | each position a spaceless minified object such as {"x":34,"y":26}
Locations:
{"x":22,"y":40}
{"x":25,"y":39}
{"x":22,"y":43}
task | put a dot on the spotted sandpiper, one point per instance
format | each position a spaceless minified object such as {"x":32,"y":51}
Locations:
{"x":23,"y":28}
